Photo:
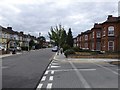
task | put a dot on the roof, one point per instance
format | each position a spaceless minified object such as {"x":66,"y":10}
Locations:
{"x":111,"y":19}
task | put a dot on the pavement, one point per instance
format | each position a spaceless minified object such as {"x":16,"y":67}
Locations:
{"x":80,"y":73}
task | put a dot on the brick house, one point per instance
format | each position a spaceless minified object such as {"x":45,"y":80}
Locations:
{"x":102,"y":37}
{"x":118,"y":26}
{"x":95,"y":37}
{"x":85,"y":40}
{"x":110,"y":34}
{"x":75,"y":42}
{"x":78,"y":40}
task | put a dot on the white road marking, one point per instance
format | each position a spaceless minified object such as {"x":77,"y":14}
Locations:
{"x":46,"y":72}
{"x":72,"y":70}
{"x":106,"y":68}
{"x":48,"y":67}
{"x":39,"y":86}
{"x":51,"y":78}
{"x":43,"y":78}
{"x":81,"y":78}
{"x":52,"y":72}
{"x":55,"y":66}
{"x":49,"y":86}
{"x":4,"y":67}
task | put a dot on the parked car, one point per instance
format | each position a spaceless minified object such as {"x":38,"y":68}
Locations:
{"x":2,"y":48}
{"x":55,"y":49}
{"x":18,"y":48}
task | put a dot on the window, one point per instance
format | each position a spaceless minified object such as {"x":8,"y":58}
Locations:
{"x":77,"y":44}
{"x":110,"y":31}
{"x":111,"y":45}
{"x":77,"y":39}
{"x":92,"y":46}
{"x":93,"y":34}
{"x":6,"y":35}
{"x":80,"y":39}
{"x":98,"y":46}
{"x":98,"y":34}
{"x":80,"y":46}
{"x":104,"y":33}
{"x":86,"y":37}
{"x":86,"y":45}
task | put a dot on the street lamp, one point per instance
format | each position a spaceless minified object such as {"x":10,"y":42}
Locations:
{"x":28,"y":41}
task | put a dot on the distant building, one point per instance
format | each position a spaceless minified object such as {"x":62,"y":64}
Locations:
{"x":10,"y":38}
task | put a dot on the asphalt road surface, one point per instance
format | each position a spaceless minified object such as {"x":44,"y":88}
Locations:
{"x":80,"y":74}
{"x":25,"y":70}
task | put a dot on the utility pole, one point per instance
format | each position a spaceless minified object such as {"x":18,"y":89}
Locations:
{"x":39,"y":34}
{"x":28,"y":41}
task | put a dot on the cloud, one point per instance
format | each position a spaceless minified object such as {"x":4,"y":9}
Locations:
{"x":35,"y":16}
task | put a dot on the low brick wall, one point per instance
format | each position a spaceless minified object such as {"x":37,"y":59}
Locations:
{"x":3,"y":52}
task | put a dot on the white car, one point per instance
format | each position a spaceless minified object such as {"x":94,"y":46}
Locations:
{"x":19,"y":48}
{"x":2,"y":48}
{"x":55,"y":49}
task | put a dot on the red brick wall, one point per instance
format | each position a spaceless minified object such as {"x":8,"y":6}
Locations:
{"x":111,"y":21}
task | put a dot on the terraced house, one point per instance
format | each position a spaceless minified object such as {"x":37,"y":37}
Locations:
{"x":10,"y":38}
{"x":102,"y":37}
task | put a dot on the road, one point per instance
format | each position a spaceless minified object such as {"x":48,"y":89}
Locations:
{"x":83,"y":73}
{"x":25,"y":70}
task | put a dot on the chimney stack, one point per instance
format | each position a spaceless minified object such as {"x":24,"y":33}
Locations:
{"x":10,"y":28}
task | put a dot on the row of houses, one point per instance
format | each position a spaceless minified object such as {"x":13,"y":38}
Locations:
{"x":10,"y":38}
{"x":102,"y":37}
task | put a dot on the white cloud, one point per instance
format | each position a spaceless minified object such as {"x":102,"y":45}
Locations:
{"x":34,"y":16}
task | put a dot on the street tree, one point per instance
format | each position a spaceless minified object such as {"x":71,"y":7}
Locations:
{"x":57,"y":35}
{"x":42,"y":41}
{"x":70,"y":38}
{"x":31,"y":43}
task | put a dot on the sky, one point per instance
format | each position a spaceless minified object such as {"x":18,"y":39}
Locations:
{"x":37,"y":16}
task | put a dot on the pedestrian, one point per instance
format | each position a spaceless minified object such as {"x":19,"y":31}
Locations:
{"x":61,"y":50}
{"x":58,"y":50}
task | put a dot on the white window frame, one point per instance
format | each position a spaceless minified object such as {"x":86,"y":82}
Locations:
{"x":98,"y":34}
{"x":77,"y":39}
{"x":110,"y":46}
{"x":77,"y":44}
{"x":86,"y":37}
{"x":80,"y":39}
{"x":86,"y":45}
{"x":92,"y":45}
{"x":111,"y":31}
{"x":80,"y":45}
{"x":93,"y":34}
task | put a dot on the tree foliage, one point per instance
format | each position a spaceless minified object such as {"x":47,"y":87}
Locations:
{"x":41,"y":40}
{"x":31,"y":43}
{"x":59,"y":36}
{"x":70,"y":38}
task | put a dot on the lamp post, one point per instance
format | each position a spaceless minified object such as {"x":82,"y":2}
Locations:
{"x":28,"y":41}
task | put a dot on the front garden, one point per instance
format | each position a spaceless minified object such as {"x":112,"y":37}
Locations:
{"x":79,"y":53}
